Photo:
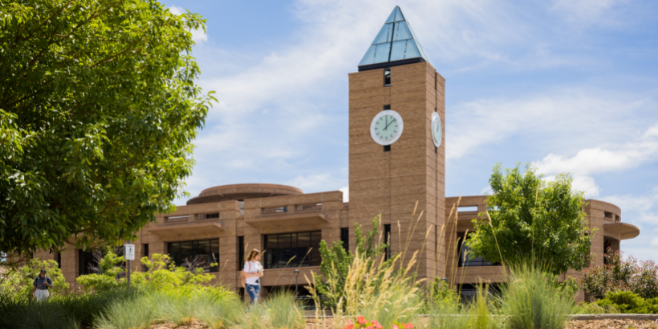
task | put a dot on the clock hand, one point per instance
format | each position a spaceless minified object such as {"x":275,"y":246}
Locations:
{"x":389,"y":124}
{"x":386,"y":123}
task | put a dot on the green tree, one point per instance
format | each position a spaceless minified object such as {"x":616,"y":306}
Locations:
{"x":529,"y":219}
{"x":336,"y":262}
{"x":98,"y":109}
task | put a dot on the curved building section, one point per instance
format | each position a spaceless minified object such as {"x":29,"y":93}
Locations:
{"x":242,"y":192}
{"x":603,"y":217}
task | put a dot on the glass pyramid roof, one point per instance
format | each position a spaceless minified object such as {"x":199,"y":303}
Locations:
{"x":396,"y":41}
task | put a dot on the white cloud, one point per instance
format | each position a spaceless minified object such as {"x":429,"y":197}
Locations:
{"x":641,"y":209}
{"x":568,"y":118}
{"x":654,"y":242}
{"x":612,"y":158}
{"x":346,"y":193}
{"x":316,"y":182}
{"x":198,"y":35}
{"x":586,"y":184}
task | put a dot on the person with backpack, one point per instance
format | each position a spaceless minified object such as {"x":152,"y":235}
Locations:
{"x":41,"y":285}
{"x":251,"y":275}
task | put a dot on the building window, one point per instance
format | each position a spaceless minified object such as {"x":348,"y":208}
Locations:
{"x":387,"y":239}
{"x":207,"y":216}
{"x":387,"y":148}
{"x":387,"y":107}
{"x":89,"y":260}
{"x":387,"y":77}
{"x":240,"y":252}
{"x":195,"y":254}
{"x":241,"y":202}
{"x":292,"y":249}
{"x":345,"y":237}
{"x":468,"y":292}
{"x":145,"y":253}
{"x":59,"y":260}
{"x":465,"y":255}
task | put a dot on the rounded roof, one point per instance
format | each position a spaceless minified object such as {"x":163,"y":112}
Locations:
{"x":242,"y":192}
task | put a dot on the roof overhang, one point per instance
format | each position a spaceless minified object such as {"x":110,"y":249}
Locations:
{"x":285,"y":219}
{"x":173,"y":230}
{"x":625,"y":230}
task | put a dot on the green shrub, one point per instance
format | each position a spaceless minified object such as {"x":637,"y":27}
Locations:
{"x":61,"y":311}
{"x":163,"y":275}
{"x":531,"y":299}
{"x":594,"y":308}
{"x":25,"y":314}
{"x":18,"y":282}
{"x":107,"y":279}
{"x":440,"y":292}
{"x":629,"y":302}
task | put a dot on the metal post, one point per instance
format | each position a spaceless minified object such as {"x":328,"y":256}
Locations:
{"x":128,"y":275}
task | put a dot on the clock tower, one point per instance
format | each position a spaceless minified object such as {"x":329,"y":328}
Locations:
{"x":396,"y":153}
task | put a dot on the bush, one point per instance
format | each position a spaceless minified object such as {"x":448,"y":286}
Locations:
{"x":532,"y":299}
{"x":439,"y":292}
{"x":639,"y":277}
{"x":107,"y":279}
{"x":18,"y":282}
{"x":61,"y":311}
{"x":629,"y":302}
{"x":594,"y":308}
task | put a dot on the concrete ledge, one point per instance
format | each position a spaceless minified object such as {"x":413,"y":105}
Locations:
{"x":594,"y":317}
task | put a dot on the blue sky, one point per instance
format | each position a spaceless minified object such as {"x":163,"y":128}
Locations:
{"x":569,"y":85}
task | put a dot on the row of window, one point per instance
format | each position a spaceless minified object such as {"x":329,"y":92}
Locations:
{"x":281,"y":251}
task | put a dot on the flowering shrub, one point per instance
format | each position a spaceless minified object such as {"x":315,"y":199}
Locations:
{"x":639,"y":277}
{"x":362,"y":323}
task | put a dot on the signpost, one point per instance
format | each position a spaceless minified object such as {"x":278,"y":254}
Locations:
{"x":129,"y":254}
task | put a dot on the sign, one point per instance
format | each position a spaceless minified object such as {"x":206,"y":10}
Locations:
{"x":129,"y":251}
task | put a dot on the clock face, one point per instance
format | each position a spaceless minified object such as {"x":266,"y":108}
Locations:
{"x":436,"y":129}
{"x":386,"y":127}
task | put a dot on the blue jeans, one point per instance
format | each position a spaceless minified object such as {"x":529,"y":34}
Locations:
{"x":253,"y":290}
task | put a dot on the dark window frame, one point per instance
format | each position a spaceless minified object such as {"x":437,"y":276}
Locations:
{"x":287,"y":246}
{"x":387,"y":239}
{"x":211,"y":252}
{"x":241,"y":259}
{"x":145,"y":253}
{"x":345,"y":237}
{"x":86,"y":258}
{"x":387,"y":77}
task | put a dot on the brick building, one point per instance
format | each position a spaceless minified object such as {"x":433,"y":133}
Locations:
{"x":396,"y":158}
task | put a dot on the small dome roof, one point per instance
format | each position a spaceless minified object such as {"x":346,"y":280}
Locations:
{"x":242,"y":192}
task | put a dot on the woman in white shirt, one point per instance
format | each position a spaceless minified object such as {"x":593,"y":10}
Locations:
{"x":251,"y":275}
